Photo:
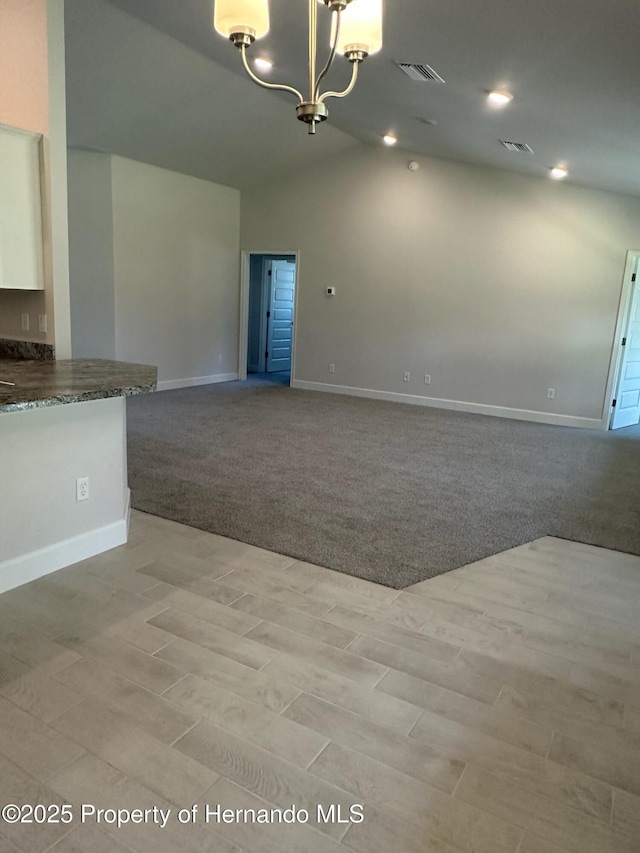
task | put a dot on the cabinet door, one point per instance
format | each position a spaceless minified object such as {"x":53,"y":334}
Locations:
{"x":21,"y":253}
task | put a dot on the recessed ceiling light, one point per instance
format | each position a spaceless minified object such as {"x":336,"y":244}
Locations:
{"x":559,"y":172}
{"x":263,"y":64}
{"x":499,"y":99}
{"x":389,"y":139}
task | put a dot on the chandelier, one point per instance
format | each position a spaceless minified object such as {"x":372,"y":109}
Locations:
{"x":356,"y":32}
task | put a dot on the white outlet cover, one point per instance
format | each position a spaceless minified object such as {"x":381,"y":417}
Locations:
{"x":82,"y":489}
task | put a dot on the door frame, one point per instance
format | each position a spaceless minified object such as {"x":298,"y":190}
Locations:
{"x":245,"y":272}
{"x":624,"y":306}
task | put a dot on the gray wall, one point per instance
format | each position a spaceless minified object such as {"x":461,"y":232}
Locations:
{"x":91,"y":255}
{"x":154,"y":268}
{"x":176,"y":272}
{"x":498,"y":285}
{"x":42,"y":453}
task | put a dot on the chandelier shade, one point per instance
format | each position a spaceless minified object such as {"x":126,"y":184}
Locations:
{"x":241,"y":16}
{"x":361,"y":27}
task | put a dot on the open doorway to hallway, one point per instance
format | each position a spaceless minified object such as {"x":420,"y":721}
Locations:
{"x":271,"y":316}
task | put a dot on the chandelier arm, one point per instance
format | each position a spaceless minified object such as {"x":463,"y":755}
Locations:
{"x":345,"y":92}
{"x":280,"y":86}
{"x":332,"y":56}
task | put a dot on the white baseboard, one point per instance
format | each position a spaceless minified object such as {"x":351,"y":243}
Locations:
{"x":172,"y":384}
{"x":453,"y":405}
{"x":37,"y":564}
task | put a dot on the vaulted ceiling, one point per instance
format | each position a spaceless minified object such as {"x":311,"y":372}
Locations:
{"x":151,"y":80}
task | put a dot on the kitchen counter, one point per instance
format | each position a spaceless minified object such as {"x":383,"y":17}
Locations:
{"x":47,"y":449}
{"x":41,"y":384}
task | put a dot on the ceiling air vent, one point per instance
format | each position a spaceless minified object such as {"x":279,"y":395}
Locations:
{"x":420,"y":72}
{"x":517,"y":146}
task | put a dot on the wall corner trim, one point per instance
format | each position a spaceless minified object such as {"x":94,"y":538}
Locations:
{"x":454,"y":405}
{"x":127,"y":513}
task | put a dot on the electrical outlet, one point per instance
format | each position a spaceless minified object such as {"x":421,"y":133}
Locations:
{"x":551,"y":393}
{"x":82,"y":489}
{"x":332,"y":368}
{"x":427,"y":379}
{"x":24,"y":322}
{"x":42,"y":323}
{"x":407,"y":376}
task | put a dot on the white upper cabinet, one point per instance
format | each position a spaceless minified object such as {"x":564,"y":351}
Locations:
{"x":21,"y":249}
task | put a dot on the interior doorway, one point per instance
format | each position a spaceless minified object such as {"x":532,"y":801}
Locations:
{"x":625,"y":402}
{"x":268,"y":315}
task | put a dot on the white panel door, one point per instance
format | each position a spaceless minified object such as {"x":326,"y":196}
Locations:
{"x":627,"y":409}
{"x":280,"y":318}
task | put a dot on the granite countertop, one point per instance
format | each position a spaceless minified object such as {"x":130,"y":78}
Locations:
{"x":39,"y":384}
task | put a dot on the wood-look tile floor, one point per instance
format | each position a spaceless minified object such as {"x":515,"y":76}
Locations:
{"x":494,"y":709}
